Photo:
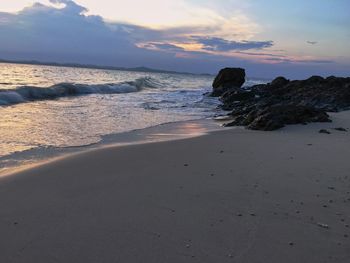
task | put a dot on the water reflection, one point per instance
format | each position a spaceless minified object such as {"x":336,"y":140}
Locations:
{"x":184,"y":129}
{"x":86,"y":120}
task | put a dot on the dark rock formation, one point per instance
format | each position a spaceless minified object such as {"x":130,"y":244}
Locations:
{"x":341,"y":129}
{"x":277,"y":116}
{"x":272,"y":106}
{"x":279,"y":82}
{"x":228,"y":79}
{"x":324,"y":131}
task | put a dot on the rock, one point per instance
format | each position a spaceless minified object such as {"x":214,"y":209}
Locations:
{"x":315,"y":79}
{"x":279,"y":82}
{"x":272,"y":106}
{"x":237,"y":96}
{"x":228,"y":79}
{"x":324,"y":131}
{"x":275,"y":117}
{"x":323,"y":225}
{"x":341,"y":129}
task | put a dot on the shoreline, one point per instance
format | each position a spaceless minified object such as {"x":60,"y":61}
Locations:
{"x":162,"y":132}
{"x":229,"y":196}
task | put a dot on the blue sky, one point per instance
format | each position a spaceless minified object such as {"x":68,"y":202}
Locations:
{"x":269,"y":38}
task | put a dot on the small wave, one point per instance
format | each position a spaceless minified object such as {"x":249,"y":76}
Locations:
{"x":31,"y":93}
{"x":148,"y":106}
{"x":157,"y":105}
{"x":146,"y":82}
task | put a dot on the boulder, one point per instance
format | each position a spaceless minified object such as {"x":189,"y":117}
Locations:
{"x":279,"y":82}
{"x":324,"y":131}
{"x":237,"y":96}
{"x":228,"y":79}
{"x":315,"y":80}
{"x":280,"y":102}
{"x":275,"y":117}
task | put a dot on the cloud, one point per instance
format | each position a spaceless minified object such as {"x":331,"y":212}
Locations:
{"x":314,"y":61}
{"x":68,"y":2}
{"x":260,"y":54}
{"x":163,"y":46}
{"x":63,"y":33}
{"x":66,"y":32}
{"x":307,"y":61}
{"x":220,"y":44}
{"x":71,"y":6}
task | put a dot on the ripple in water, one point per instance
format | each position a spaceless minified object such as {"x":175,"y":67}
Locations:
{"x":53,"y":107}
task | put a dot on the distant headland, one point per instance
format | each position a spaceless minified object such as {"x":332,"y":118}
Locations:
{"x":92,"y":66}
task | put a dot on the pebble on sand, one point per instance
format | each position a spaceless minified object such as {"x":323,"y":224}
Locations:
{"x":341,"y":129}
{"x":324,"y":131}
{"x":323,"y":225}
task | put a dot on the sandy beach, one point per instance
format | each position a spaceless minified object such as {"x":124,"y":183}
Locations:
{"x":229,"y":196}
{"x":174,"y":131}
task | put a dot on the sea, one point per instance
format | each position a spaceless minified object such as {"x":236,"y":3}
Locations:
{"x":49,"y":110}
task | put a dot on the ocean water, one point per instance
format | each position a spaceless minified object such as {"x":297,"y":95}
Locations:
{"x":46,"y":107}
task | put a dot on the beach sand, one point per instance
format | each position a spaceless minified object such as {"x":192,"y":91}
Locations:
{"x":229,"y":196}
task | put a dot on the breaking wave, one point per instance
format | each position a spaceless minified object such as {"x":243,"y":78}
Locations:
{"x":31,"y":93}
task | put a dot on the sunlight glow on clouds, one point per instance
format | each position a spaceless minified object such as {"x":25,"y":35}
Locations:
{"x":160,"y":14}
{"x":151,"y":13}
{"x":136,"y":32}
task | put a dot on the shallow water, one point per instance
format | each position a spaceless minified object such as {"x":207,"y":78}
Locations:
{"x":45,"y":107}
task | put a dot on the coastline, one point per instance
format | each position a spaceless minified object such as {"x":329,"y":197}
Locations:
{"x":228,"y":196}
{"x":178,"y":130}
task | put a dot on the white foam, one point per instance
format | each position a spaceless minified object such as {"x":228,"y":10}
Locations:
{"x":30,"y":93}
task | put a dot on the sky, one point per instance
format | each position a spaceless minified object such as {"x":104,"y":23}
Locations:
{"x":294,"y":38}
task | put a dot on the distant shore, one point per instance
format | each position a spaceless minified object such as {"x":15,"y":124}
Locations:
{"x":92,"y":66}
{"x":229,"y":196}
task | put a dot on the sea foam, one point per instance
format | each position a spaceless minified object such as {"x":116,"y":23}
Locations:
{"x":31,"y":93}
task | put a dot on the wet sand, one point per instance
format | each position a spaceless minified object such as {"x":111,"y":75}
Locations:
{"x":229,"y":196}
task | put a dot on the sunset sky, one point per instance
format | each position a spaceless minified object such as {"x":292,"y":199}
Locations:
{"x":269,"y":38}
